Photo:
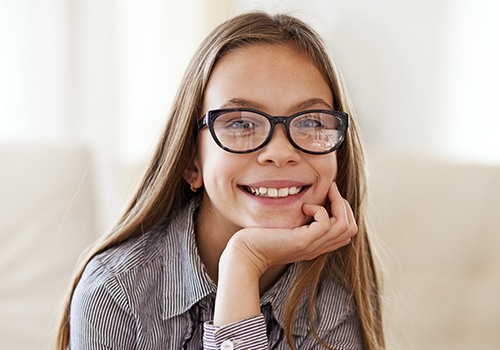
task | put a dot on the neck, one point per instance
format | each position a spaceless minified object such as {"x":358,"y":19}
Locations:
{"x":211,"y":239}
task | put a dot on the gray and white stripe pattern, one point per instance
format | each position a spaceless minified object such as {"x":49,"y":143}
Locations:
{"x":153,"y":292}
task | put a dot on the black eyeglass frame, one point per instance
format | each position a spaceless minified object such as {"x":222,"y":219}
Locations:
{"x":210,"y":116}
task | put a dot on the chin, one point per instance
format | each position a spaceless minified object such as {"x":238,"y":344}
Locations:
{"x":286,"y":222}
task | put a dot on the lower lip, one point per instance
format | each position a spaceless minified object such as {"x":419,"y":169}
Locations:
{"x":290,"y":199}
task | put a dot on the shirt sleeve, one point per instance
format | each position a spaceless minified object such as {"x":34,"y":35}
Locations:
{"x":100,"y":316}
{"x":246,"y":334}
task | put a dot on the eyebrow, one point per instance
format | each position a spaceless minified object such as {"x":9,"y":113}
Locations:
{"x":313,"y":102}
{"x":240,"y":102}
{"x":310,"y":103}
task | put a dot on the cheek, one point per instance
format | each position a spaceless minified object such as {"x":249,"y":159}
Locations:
{"x":217,"y":166}
{"x":208,"y":153}
{"x":327,"y":172}
{"x":327,"y":168}
{"x":334,"y":164}
{"x":333,"y":167}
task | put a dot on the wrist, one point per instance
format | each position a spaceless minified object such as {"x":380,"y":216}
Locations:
{"x":238,"y":281}
{"x":238,"y":256}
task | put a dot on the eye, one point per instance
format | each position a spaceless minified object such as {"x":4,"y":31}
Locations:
{"x":309,"y":122}
{"x":241,"y":124}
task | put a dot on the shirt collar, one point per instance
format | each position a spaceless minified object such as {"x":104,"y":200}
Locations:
{"x":186,"y":280}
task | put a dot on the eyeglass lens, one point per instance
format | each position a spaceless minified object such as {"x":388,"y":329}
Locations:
{"x":242,"y":131}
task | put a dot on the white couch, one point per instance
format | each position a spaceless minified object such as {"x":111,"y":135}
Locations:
{"x":47,"y":218}
{"x":435,"y":225}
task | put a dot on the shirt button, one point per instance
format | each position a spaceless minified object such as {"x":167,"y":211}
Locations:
{"x":227,"y":345}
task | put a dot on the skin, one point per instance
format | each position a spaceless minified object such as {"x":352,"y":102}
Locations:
{"x":245,"y":241}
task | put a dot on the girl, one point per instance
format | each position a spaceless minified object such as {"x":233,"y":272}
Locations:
{"x":239,"y":236}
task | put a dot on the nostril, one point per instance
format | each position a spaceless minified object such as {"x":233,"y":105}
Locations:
{"x":279,"y":150}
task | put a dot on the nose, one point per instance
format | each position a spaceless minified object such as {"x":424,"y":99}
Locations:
{"x":279,"y":151}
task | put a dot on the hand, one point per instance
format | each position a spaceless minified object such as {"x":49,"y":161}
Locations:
{"x":252,"y":251}
{"x":265,"y":247}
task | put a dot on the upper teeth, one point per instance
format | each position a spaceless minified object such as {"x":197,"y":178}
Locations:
{"x":274,"y":192}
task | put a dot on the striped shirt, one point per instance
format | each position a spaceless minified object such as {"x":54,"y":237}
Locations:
{"x":153,"y":292}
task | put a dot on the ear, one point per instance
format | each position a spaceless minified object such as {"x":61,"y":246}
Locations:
{"x":193,"y":174}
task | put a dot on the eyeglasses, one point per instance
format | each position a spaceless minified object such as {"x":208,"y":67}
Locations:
{"x":245,"y":130}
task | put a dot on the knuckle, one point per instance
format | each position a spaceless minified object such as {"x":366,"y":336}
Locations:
{"x":353,"y":229}
{"x":300,"y":243}
{"x":343,"y":226}
{"x":325,"y":226}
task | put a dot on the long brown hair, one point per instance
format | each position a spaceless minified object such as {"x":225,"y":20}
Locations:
{"x":163,"y":189}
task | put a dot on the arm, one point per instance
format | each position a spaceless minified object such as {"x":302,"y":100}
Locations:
{"x":252,"y":251}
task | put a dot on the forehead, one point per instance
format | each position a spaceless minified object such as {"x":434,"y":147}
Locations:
{"x":274,"y":76}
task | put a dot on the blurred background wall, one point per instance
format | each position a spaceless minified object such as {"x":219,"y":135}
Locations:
{"x":98,"y":77}
{"x":423,"y":74}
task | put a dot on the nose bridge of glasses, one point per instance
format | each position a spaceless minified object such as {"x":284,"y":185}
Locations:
{"x":279,"y":120}
{"x":275,"y":120}
{"x":285,"y":133}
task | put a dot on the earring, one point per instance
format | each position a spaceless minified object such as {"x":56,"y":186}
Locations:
{"x":194,"y":189}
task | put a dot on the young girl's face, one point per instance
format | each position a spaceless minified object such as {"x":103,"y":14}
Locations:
{"x":280,"y":81}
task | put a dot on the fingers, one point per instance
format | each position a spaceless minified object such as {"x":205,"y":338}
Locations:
{"x":324,"y":234}
{"x":340,"y":207}
{"x":318,"y":213}
{"x":351,"y":219}
{"x":342,"y":223}
{"x":337,"y":203}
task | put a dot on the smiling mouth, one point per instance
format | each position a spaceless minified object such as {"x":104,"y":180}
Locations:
{"x":272,"y":192}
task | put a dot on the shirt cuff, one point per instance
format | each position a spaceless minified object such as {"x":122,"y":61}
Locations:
{"x":245,"y":334}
